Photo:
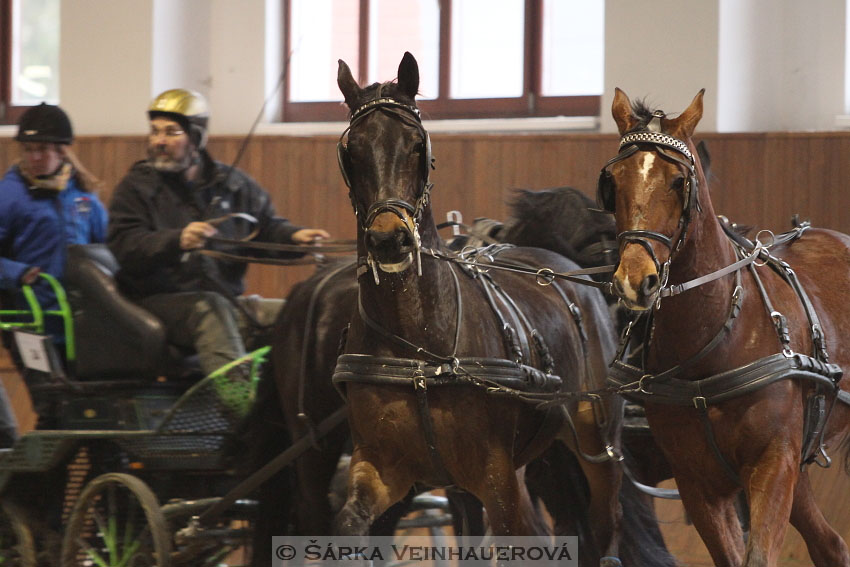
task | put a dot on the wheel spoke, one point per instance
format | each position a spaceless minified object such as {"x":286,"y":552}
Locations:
{"x":92,"y":553}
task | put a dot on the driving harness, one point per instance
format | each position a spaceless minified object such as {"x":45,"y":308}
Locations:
{"x":502,"y":377}
{"x":672,"y":386}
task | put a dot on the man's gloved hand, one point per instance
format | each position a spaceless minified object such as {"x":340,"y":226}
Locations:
{"x":195,"y":234}
{"x":308,"y":235}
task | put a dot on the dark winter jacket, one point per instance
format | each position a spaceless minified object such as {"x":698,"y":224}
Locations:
{"x":149,"y":210}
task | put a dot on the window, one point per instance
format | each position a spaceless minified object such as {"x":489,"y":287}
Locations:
{"x":29,"y":64}
{"x":477,"y":58}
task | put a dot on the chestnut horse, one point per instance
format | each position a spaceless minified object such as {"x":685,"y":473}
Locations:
{"x":741,"y":377}
{"x":438,"y":356}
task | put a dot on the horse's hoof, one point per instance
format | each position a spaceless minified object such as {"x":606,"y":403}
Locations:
{"x":610,"y":562}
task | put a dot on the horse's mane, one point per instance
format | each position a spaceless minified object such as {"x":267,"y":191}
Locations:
{"x":374,"y":91}
{"x":561,"y":219}
{"x":643,"y":113}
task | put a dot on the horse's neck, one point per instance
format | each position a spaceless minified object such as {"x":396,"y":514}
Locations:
{"x":421,"y":309}
{"x":685,"y":323}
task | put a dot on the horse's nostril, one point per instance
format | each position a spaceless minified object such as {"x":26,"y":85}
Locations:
{"x":618,"y":287}
{"x":403,"y":238}
{"x":371,"y":241}
{"x":650,"y":285}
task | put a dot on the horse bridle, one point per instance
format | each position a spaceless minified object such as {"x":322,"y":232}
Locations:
{"x":630,"y":143}
{"x":408,"y":114}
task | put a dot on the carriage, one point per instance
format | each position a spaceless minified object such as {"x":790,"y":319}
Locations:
{"x":126,"y":458}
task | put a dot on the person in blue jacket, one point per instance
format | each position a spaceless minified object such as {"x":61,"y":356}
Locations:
{"x":46,"y":203}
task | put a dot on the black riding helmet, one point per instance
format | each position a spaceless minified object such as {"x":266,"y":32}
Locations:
{"x":45,"y":123}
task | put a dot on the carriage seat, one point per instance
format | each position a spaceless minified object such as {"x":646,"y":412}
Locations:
{"x":115,"y":338}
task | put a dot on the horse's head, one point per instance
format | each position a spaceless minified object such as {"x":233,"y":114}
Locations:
{"x":652,"y":188}
{"x":385,"y":158}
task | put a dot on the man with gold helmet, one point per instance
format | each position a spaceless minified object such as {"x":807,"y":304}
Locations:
{"x":166,"y":207}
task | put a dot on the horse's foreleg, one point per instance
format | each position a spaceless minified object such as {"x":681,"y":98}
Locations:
{"x":370,"y":493}
{"x":826,"y":548}
{"x":315,"y":469}
{"x":716,"y":521}
{"x":605,"y":512}
{"x":770,"y":492}
{"x":506,"y":501}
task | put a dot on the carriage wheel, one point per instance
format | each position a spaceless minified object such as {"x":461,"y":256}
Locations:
{"x":116,"y":522}
{"x":17,"y":546}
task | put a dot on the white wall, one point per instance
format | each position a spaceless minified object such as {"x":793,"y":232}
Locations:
{"x":782,"y":64}
{"x":117,"y":55}
{"x":663,"y":51}
{"x":105,"y":65}
{"x":765,"y":64}
{"x":180,"y":49}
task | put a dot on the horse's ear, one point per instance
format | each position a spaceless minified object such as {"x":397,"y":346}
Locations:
{"x":686,"y":123}
{"x":349,"y":87}
{"x":408,"y":75}
{"x":621,"y":109}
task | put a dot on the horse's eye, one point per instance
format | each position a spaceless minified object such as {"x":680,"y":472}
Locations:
{"x":678,"y":183}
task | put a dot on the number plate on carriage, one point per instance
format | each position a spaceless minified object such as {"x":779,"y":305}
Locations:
{"x":38,"y":353}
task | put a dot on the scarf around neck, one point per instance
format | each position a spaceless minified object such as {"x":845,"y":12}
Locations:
{"x":57,"y":181}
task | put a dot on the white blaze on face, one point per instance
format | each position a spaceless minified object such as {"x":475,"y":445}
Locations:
{"x":648,"y":160}
{"x":642,"y":194}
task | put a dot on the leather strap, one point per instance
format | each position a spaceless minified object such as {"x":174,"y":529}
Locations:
{"x":665,"y":389}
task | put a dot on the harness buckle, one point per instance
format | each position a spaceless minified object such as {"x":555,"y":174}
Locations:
{"x":641,"y":389}
{"x":700,"y":403}
{"x":544,"y":276}
{"x":419,"y":382}
{"x":772,"y":238}
{"x":613,"y":454}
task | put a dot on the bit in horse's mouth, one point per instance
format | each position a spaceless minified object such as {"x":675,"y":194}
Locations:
{"x":397,"y":266}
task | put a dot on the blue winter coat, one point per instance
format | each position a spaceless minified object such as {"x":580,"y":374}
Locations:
{"x":35,"y":228}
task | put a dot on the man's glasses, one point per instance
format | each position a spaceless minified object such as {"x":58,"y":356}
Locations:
{"x":168,"y":132}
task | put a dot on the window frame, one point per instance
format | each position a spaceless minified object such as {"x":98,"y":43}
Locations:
{"x":9,"y":114}
{"x":529,"y":104}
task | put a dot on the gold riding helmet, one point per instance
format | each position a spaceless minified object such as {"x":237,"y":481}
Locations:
{"x":188,"y":108}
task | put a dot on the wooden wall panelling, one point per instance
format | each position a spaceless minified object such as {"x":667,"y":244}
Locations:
{"x":758,"y":178}
{"x":736,"y":179}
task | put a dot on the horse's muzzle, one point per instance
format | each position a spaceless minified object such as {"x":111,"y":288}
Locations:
{"x":390,"y":243}
{"x":636,"y":281}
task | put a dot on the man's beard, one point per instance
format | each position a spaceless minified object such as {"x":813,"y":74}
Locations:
{"x":162,"y":161}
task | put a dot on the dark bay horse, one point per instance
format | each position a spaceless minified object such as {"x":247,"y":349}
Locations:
{"x":312,"y":326}
{"x":428,"y":334}
{"x":741,"y":377}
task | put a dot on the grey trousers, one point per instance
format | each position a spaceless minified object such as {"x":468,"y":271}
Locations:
{"x":209,"y":323}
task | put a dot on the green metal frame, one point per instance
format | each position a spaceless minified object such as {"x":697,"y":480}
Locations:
{"x":38,"y":315}
{"x":256,"y":359}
